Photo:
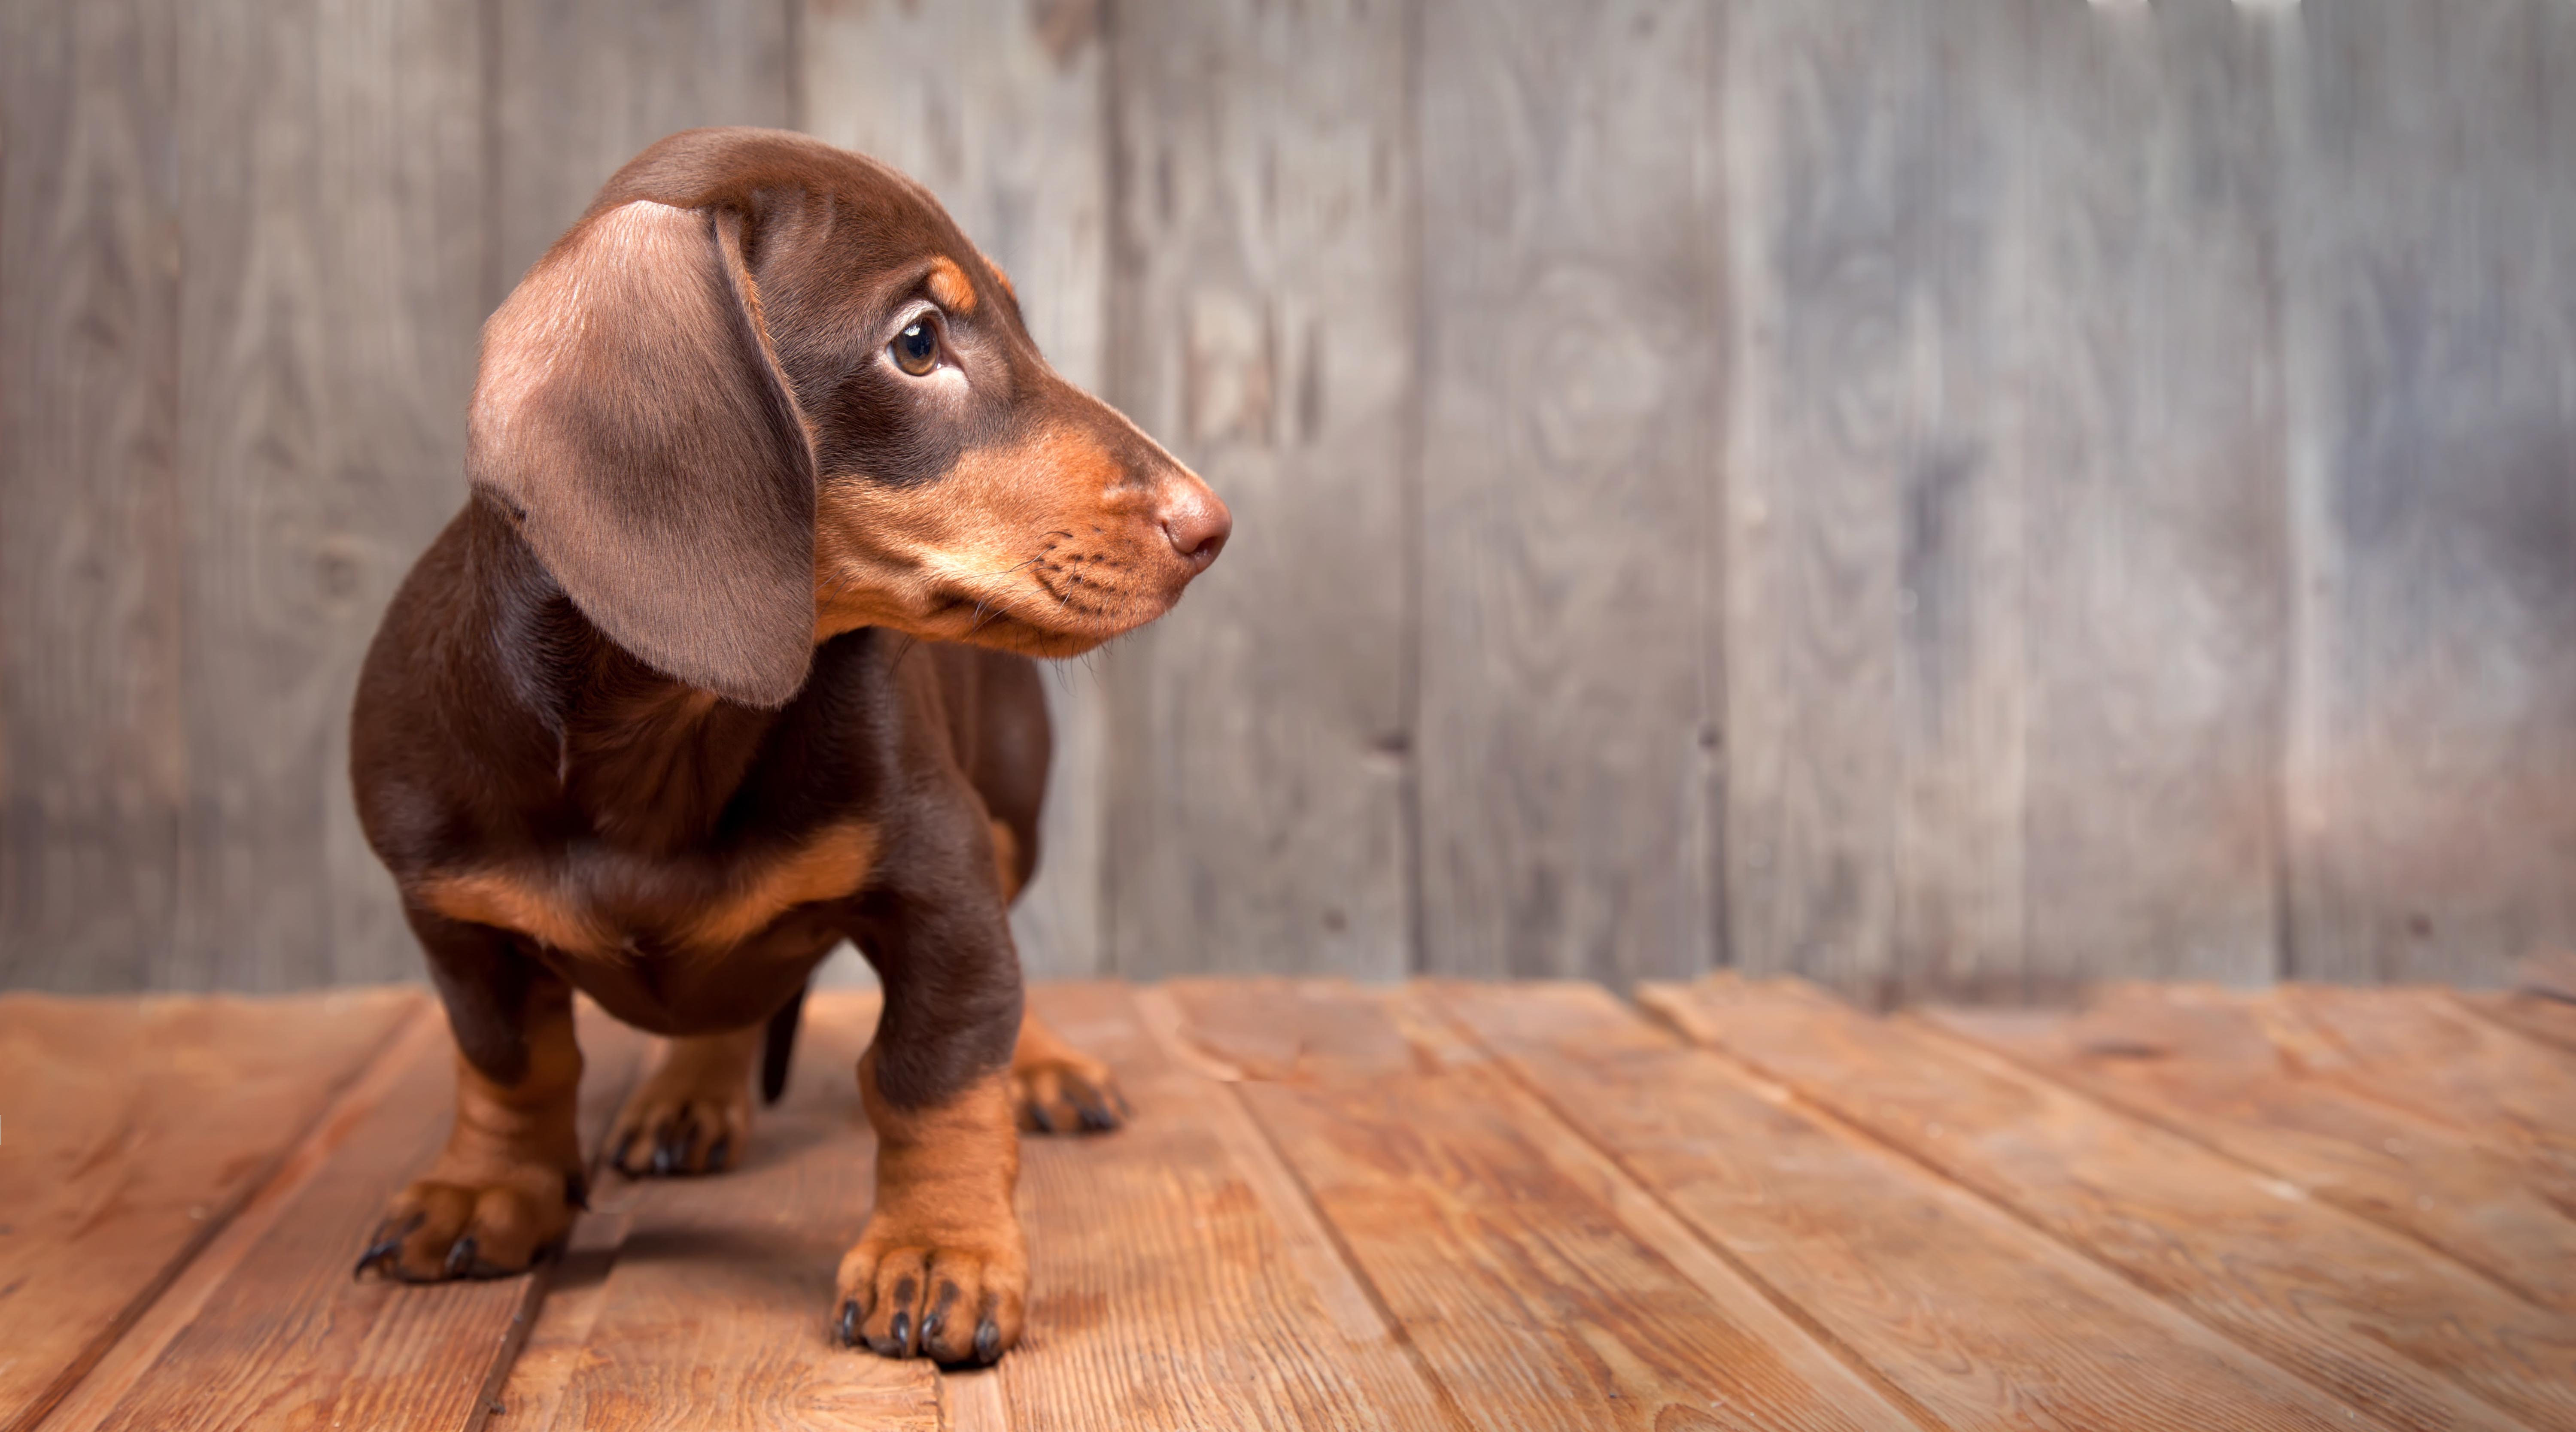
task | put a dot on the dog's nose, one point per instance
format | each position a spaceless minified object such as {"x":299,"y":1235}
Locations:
{"x":1197,"y":523}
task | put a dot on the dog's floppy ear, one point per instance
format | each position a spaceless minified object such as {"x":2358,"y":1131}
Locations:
{"x":631,"y":414}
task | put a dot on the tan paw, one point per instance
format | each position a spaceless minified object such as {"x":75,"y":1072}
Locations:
{"x":950,"y":1302}
{"x":692,"y":1115}
{"x":1058,"y":1089}
{"x":498,"y":1224}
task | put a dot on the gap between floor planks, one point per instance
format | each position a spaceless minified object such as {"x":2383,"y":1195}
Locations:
{"x":2318,"y":1289}
{"x":266,"y":1325}
{"x":120,"y":1177}
{"x":1324,"y":1255}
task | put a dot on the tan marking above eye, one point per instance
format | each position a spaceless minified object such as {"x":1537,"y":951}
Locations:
{"x":595,"y":907}
{"x":949,"y":286}
{"x":999,"y":276}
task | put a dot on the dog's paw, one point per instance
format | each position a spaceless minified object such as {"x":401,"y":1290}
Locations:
{"x":679,"y":1135}
{"x":486,"y":1227}
{"x":687,"y":1118}
{"x":948,"y":1301}
{"x":1063,"y":1091}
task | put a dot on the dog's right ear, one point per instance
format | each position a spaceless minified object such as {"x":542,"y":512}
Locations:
{"x":631,"y":415}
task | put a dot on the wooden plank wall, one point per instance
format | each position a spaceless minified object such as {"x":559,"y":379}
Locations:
{"x":1967,"y":497}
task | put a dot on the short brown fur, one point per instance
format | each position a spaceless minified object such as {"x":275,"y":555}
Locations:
{"x":580,"y":916}
{"x":942,"y":1270}
{"x":726,"y":662}
{"x":504,"y":1189}
{"x":949,"y":285}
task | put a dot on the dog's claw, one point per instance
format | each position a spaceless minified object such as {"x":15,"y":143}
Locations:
{"x":988,"y":1342}
{"x":1066,"y":1094}
{"x":460,"y":1257}
{"x":1097,"y":1116}
{"x":718,"y":1151}
{"x":388,"y":1242}
{"x":376,"y":1253}
{"x":900,"y":1330}
{"x":850,"y":1323}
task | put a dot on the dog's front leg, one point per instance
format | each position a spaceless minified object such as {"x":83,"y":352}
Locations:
{"x":503,"y":1192}
{"x":941,"y":1271}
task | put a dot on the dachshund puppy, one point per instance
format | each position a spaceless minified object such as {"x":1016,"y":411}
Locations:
{"x":727,"y":660}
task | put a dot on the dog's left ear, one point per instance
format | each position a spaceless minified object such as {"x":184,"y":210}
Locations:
{"x":631,"y":413}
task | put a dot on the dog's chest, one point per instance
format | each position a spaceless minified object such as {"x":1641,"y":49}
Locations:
{"x":593,"y":901}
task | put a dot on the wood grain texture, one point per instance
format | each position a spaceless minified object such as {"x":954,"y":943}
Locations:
{"x":997,"y":107}
{"x":92,"y":769}
{"x":2156,"y":564}
{"x":2436,"y":1059}
{"x":133,"y":1357}
{"x":1874,"y":525}
{"x":1571,"y":269}
{"x":2432,"y":773}
{"x":1438,"y":1206}
{"x":1542,"y":1287}
{"x":288,"y":1333}
{"x":2201,"y":1064}
{"x":2204,"y":1065}
{"x":581,"y":86}
{"x":1177,"y":1280}
{"x":118,"y":1171}
{"x":2310,"y":1287}
{"x":457,"y":1363}
{"x":1262,"y":288}
{"x":1875,"y":1250}
{"x":718,"y":1305}
{"x":330,"y":188}
{"x":2547,"y":1018}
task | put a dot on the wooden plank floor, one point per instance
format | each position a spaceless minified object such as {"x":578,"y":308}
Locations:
{"x":1726,"y":1205}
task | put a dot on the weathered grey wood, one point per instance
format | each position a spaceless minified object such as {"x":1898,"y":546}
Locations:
{"x":2429,"y":351}
{"x":1818,"y":278}
{"x":1261,"y":324}
{"x":1571,"y":271}
{"x":329,"y":169}
{"x":1874,"y":535}
{"x":580,"y":86}
{"x":997,"y":107}
{"x":1962,"y":498}
{"x":2156,"y":563}
{"x":91,"y":776}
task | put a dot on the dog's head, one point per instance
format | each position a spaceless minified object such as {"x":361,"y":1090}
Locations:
{"x":765,"y":392}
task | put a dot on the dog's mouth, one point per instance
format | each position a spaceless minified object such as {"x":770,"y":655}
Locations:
{"x":1061,"y":602}
{"x":1067,"y":597}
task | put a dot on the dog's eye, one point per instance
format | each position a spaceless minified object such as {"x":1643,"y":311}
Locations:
{"x":916,"y":349}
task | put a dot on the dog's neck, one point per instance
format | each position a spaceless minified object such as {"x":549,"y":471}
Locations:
{"x":649,"y":763}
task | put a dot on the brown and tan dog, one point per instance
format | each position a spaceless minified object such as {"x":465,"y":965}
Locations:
{"x":726,"y":660}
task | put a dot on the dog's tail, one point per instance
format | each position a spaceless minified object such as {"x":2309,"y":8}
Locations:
{"x":778,"y":1046}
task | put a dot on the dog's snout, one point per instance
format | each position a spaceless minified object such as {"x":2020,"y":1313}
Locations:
{"x":1197,"y":523}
